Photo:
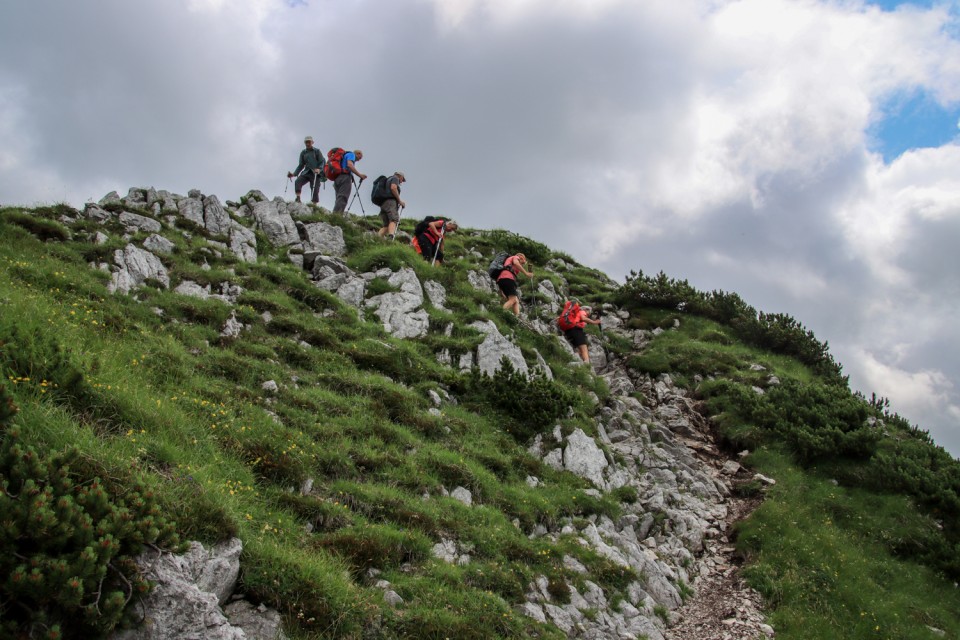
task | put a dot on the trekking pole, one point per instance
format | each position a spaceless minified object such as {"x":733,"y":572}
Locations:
{"x":356,"y":192}
{"x":436,"y":251}
{"x":287,"y":185}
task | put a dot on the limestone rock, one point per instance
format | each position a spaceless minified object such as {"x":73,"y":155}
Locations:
{"x":320,"y":239}
{"x":135,"y":266}
{"x":158,"y":244}
{"x":400,"y":311}
{"x":495,"y":347}
{"x":584,"y":458}
{"x":136,"y":222}
{"x":184,"y":604}
{"x":257,"y":623}
{"x":278,"y":227}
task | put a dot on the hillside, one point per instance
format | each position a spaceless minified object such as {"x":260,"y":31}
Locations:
{"x":367,"y":446}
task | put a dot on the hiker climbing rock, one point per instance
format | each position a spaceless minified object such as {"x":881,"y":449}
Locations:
{"x":507,"y":281}
{"x":309,"y":170}
{"x":341,"y":169}
{"x":390,"y":203}
{"x":572,"y":321}
{"x":428,"y":237}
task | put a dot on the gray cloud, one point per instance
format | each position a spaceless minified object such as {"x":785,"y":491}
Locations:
{"x":724,"y":143}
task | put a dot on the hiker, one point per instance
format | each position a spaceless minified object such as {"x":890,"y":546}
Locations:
{"x":507,"y":281}
{"x":390,"y":209}
{"x":572,"y":321}
{"x":428,"y":237}
{"x":343,"y":182}
{"x":311,"y":164}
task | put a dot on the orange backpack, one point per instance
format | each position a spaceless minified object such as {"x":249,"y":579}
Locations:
{"x":334,"y":166}
{"x":569,"y":316}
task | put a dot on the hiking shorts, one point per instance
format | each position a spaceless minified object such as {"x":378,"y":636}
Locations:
{"x":577,"y":337}
{"x":508,"y":286}
{"x":389,"y":212}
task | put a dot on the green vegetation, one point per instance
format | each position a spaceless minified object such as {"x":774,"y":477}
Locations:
{"x":134,"y":414}
{"x":860,"y":537}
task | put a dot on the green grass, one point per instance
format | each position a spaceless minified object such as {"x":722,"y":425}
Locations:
{"x":821,"y":555}
{"x":164,"y":397}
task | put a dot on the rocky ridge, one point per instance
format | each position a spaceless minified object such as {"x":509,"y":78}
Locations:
{"x":652,"y":442}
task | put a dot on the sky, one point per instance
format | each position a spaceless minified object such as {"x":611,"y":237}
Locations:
{"x":804,"y":154}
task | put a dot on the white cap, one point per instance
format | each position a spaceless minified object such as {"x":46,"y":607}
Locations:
{"x":308,"y":139}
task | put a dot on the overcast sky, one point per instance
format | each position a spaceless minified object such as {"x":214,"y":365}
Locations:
{"x":801,"y":153}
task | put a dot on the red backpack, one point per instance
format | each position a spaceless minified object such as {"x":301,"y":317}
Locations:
{"x":569,"y":316}
{"x":334,"y":166}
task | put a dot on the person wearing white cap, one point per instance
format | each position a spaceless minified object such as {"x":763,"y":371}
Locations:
{"x":309,"y":170}
{"x":390,"y":209}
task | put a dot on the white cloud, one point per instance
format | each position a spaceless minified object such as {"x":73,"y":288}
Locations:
{"x":724,"y":142}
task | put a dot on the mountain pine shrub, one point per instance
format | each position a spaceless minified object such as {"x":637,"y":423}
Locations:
{"x":68,"y":539}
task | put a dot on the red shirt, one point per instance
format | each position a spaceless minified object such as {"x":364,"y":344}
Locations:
{"x":510,"y":272}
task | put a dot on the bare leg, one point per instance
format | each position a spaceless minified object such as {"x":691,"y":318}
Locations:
{"x":584,"y":353}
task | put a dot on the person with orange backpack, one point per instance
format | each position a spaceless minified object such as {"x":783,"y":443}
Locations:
{"x":428,"y":237}
{"x":507,"y":281}
{"x":572,"y":321}
{"x":340,"y":168}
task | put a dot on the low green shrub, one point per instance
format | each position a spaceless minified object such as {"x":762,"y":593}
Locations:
{"x":68,"y":539}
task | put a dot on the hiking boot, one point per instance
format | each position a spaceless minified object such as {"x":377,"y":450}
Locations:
{"x":298,"y":198}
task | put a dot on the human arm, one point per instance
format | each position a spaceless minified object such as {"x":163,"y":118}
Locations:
{"x":300,"y":167}
{"x":353,"y":169}
{"x":395,"y":192}
{"x":522,"y":269}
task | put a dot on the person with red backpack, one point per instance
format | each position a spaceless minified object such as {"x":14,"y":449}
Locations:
{"x":572,"y":321}
{"x":507,"y":281}
{"x":340,"y":168}
{"x":428,"y":238}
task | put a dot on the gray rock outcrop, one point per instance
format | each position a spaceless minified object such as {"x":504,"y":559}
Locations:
{"x":134,"y":266}
{"x":279,"y":228}
{"x":189,"y":591}
{"x":400,"y":311}
{"x":496,"y":347}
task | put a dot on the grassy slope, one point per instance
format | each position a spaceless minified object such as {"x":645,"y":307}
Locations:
{"x":166,"y":399}
{"x":834,"y":559}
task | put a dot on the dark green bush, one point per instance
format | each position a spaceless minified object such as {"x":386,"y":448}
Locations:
{"x":68,"y":539}
{"x":527,"y":405}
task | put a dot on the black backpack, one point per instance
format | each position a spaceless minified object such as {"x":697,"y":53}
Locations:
{"x":422,"y":225}
{"x":381,"y":190}
{"x":496,"y":265}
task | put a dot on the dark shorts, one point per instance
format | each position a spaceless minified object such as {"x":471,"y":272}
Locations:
{"x":389,"y":212}
{"x":427,"y":248}
{"x":508,"y":286}
{"x":576,"y":336}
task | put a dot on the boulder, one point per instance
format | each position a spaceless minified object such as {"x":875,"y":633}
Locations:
{"x":279,"y":228}
{"x":495,"y":347}
{"x":215,"y":219}
{"x":320,"y":239}
{"x":257,"y":623}
{"x":185,"y":603}
{"x":192,"y":210}
{"x":243,"y":242}
{"x":400,"y":311}
{"x":158,"y":244}
{"x":135,"y":266}
{"x":436,"y":293}
{"x":136,"y":222}
{"x":584,"y":458}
